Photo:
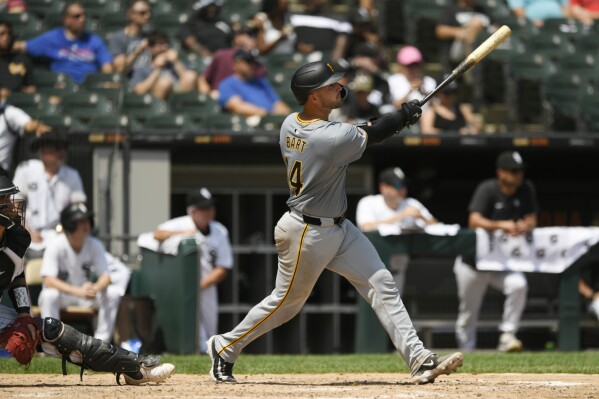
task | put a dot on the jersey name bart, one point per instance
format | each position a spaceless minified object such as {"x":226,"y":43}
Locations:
{"x":295,"y":143}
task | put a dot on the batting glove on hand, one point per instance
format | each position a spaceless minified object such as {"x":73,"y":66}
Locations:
{"x":412,"y":112}
{"x":6,"y":222}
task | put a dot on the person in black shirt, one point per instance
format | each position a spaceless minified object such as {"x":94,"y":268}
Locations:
{"x":16,"y":70}
{"x":507,"y":203}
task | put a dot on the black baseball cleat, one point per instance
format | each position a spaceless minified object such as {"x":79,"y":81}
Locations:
{"x":221,"y":371}
{"x":436,"y":365}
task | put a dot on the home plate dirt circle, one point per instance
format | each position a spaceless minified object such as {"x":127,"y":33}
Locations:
{"x":354,"y":386}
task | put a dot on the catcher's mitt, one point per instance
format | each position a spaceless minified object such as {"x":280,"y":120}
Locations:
{"x":17,"y":339}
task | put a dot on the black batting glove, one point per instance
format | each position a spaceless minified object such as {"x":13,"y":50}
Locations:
{"x":6,"y":222}
{"x":412,"y":112}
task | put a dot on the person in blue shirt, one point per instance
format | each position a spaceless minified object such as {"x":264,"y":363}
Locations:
{"x":71,"y":49}
{"x":245,"y":94}
{"x":540,"y":10}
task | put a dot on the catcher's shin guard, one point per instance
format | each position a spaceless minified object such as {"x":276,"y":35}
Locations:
{"x":92,"y":353}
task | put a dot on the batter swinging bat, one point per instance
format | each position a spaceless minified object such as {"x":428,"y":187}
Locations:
{"x":474,"y":58}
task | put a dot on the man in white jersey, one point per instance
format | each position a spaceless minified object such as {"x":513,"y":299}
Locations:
{"x":393,"y":207}
{"x":314,"y":235}
{"x":20,"y":333}
{"x":49,"y":186}
{"x":75,"y":272}
{"x":216,"y":255}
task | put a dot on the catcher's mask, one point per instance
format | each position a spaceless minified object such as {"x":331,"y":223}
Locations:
{"x":11,"y":207}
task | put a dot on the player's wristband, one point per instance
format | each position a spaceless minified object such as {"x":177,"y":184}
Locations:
{"x":19,"y":296}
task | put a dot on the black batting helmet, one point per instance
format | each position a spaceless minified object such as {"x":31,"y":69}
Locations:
{"x":72,"y":213}
{"x":11,"y":207}
{"x":313,"y":76}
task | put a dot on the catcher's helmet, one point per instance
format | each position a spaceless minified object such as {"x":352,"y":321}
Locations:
{"x":11,"y":207}
{"x":313,"y":76}
{"x":72,"y":213}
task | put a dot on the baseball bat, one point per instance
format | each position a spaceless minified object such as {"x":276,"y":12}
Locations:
{"x":474,"y":58}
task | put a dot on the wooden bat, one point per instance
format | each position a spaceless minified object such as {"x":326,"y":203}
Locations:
{"x":474,"y":58}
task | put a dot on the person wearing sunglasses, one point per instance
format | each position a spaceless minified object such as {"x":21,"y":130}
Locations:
{"x":128,"y":45}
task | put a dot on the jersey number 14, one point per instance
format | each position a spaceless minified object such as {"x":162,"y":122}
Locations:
{"x":295,"y":177}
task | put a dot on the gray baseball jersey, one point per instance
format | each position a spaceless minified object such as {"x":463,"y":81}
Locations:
{"x":317,"y":153}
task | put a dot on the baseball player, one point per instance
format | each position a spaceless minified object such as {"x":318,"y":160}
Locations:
{"x":75,"y":272}
{"x":20,"y":333}
{"x":509,"y":204}
{"x":216,"y":255}
{"x":314,"y":234}
{"x":393,"y":207}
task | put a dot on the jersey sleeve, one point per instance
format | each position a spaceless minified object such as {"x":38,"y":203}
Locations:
{"x":530,"y":203}
{"x":364,"y":212}
{"x":480,"y":200}
{"x":50,"y":261}
{"x":104,"y":55}
{"x":423,"y":211}
{"x":16,"y":118}
{"x":20,"y":178}
{"x":99,"y":257}
{"x":349,"y":143}
{"x":225,"y":253}
{"x":39,"y":45}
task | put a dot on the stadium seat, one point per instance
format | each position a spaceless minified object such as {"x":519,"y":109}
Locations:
{"x":584,"y":64}
{"x":24,"y":25}
{"x":110,"y":85}
{"x":228,"y":122}
{"x":28,"y":102}
{"x":110,"y":123}
{"x":590,"y":110}
{"x":195,"y":105}
{"x":239,"y":11}
{"x":111,"y":22}
{"x":170,"y":121}
{"x":170,"y":22}
{"x":42,"y":8}
{"x":553,"y":45}
{"x":85,"y":106}
{"x":164,"y":6}
{"x":420,"y":19}
{"x":564,"y":93}
{"x":272,"y":122}
{"x":65,"y":123}
{"x":52,"y":83}
{"x":141,"y":107}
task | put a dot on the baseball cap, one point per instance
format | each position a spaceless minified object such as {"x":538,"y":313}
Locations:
{"x":50,"y":139}
{"x":409,"y":55}
{"x":510,"y":160}
{"x":361,"y":83}
{"x":394,"y":177}
{"x":201,"y":198}
{"x":247,"y":56}
{"x":199,"y":4}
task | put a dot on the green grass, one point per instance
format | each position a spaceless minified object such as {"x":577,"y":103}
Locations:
{"x":479,"y":362}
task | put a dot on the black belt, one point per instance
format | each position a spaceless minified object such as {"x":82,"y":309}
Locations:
{"x":317,"y":222}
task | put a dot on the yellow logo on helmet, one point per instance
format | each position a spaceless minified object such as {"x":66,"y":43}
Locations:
{"x":330,"y":67}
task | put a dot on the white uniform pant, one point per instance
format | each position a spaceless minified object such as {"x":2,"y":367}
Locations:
{"x":594,"y":308}
{"x":472,"y":285}
{"x":209,"y":315}
{"x":107,"y":302}
{"x":304,"y":252}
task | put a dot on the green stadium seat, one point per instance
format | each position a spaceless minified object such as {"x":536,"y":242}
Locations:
{"x":223,"y":121}
{"x":111,"y":123}
{"x":170,"y":22}
{"x":420,"y":19}
{"x":42,"y":8}
{"x":272,"y":122}
{"x":112,"y":22}
{"x":554,"y":45}
{"x":170,"y":121}
{"x":584,"y":64}
{"x":195,"y":105}
{"x":52,"y":83}
{"x":565,"y":26}
{"x":239,"y":11}
{"x":61,"y":122}
{"x":531,"y":66}
{"x":86,"y":106}
{"x":24,"y":25}
{"x":141,"y":107}
{"x":588,"y":43}
{"x":163,"y":6}
{"x":564,"y":93}
{"x":110,"y":85}
{"x":28,"y":102}
{"x":590,"y":110}
{"x":95,"y":8}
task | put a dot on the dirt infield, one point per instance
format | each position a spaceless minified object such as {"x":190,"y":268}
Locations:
{"x":353,"y":386}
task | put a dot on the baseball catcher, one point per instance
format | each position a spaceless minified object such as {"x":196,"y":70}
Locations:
{"x":20,"y":334}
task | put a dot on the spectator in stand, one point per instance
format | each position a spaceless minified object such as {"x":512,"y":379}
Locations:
{"x":14,"y":122}
{"x":461,"y":23}
{"x":358,"y":108}
{"x":128,"y":46}
{"x":393,"y":207}
{"x":446,"y":114}
{"x":586,"y":11}
{"x":506,"y":203}
{"x":410,"y":83}
{"x":71,"y":49}
{"x":165,"y":73}
{"x":366,"y":61}
{"x":275,"y":33}
{"x":16,"y":69}
{"x":364,"y":33}
{"x":318,"y":32}
{"x":221,"y":66}
{"x":204,"y":32}
{"x":538,"y":11}
{"x":13,"y":6}
{"x":49,"y":185}
{"x":245,"y":94}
